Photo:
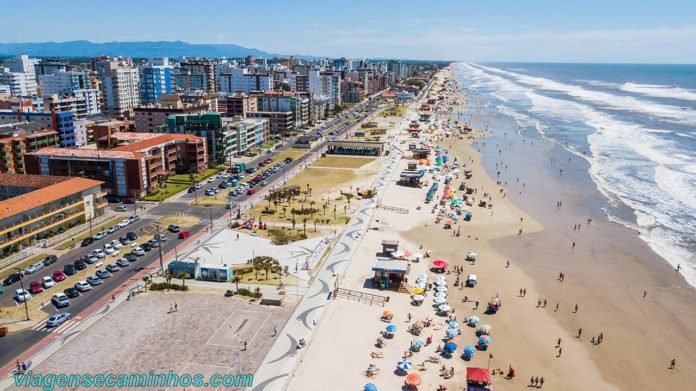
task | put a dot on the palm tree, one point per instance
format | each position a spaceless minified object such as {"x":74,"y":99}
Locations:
{"x":268,"y":198}
{"x":236,"y":280}
{"x":304,"y":225}
{"x":258,"y":292}
{"x":168,"y":277}
{"x":257,"y":262}
{"x":285,"y":208}
{"x":275,"y":204}
{"x":182,"y":276}
{"x":311,"y":208}
{"x":146,"y":280}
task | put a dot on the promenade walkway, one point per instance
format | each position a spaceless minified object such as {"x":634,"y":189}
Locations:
{"x":277,"y":367}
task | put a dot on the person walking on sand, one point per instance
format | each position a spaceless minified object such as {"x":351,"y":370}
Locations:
{"x":645,"y":293}
{"x":170,"y":309}
{"x":275,"y":330}
{"x":176,"y":307}
{"x":544,"y":303}
{"x":556,"y":310}
{"x":520,"y":292}
{"x":541,"y":382}
{"x":531,"y":381}
{"x":560,"y":351}
{"x":536,"y":381}
{"x":524,"y":292}
{"x":477,"y":304}
{"x":576,"y":309}
{"x":600,"y":338}
{"x":409,"y":317}
{"x":579,"y":332}
{"x":673,"y":363}
{"x":559,"y":342}
{"x":245,"y":345}
{"x":573,"y":245}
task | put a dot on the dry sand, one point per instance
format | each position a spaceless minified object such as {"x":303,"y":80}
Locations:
{"x":524,"y":336}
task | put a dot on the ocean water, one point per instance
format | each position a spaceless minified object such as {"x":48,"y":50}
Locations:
{"x":634,"y":124}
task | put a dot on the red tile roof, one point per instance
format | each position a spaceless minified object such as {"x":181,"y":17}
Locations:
{"x":87,"y":153}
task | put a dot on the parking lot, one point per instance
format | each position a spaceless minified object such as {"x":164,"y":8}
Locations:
{"x":206,"y":335}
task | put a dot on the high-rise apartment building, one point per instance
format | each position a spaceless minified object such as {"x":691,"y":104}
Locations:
{"x":197,"y":75}
{"x":156,"y":78}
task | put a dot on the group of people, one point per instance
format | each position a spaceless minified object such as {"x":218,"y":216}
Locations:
{"x":535,"y":381}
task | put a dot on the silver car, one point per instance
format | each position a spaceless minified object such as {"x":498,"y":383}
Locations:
{"x":57,"y":319}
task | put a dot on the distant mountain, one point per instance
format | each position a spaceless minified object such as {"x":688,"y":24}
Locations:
{"x":131,"y":49}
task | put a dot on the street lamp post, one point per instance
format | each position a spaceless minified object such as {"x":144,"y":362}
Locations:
{"x":24,"y":293}
{"x":210,"y":208}
{"x":157,"y":227}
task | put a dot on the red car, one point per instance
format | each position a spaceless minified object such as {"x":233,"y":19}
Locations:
{"x":129,"y":201}
{"x":36,"y":287}
{"x":183,"y":234}
{"x":251,"y":191}
{"x":58,"y":276}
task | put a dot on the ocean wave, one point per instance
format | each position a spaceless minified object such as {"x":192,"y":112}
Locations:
{"x":604,"y":99}
{"x":660,"y":91}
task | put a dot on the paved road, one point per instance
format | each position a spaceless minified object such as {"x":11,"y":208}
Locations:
{"x":15,"y":344}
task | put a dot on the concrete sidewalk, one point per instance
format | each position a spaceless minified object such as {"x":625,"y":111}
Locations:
{"x":279,"y":364}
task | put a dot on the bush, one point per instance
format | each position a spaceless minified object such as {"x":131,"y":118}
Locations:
{"x":244,"y":270}
{"x":268,"y":211}
{"x":235,"y":225}
{"x":248,"y":293}
{"x":163,"y":286}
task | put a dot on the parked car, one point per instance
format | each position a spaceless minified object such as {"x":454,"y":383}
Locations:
{"x":58,"y":319}
{"x":129,"y":201}
{"x":121,"y":208}
{"x":60,"y":300}
{"x":49,"y":260}
{"x":154,"y":243}
{"x":34,"y":268}
{"x":58,"y":276}
{"x":87,"y":241}
{"x":69,"y":269}
{"x":102,"y":273}
{"x":113,"y":267}
{"x":71,"y":292}
{"x":138,"y":251}
{"x":124,"y":240}
{"x":174,"y":228}
{"x":99,"y":253}
{"x":113,"y":229}
{"x":36,"y":287}
{"x":161,"y":237}
{"x":48,"y":282}
{"x":99,"y":235}
{"x":83,"y":286}
{"x":183,"y":234}
{"x":251,"y":192}
{"x":133,"y":219}
{"x":116,"y":244}
{"x":132,"y":236}
{"x":22,"y":295}
{"x":94,"y":280}
{"x":122,"y":262}
{"x":130,"y":257}
{"x":11,"y":279}
{"x":80,"y":265}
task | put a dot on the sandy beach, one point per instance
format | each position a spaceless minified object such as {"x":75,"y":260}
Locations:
{"x":606,"y":275}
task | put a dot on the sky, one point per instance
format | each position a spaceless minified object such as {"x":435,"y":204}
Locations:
{"x":633,"y":31}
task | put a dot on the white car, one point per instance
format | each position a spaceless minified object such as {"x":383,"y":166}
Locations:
{"x":110,"y":250}
{"x":99,"y":235}
{"x":124,"y":223}
{"x":197,"y":186}
{"x":83,"y":286}
{"x":121,"y":208}
{"x":34,"y":268}
{"x":116,"y":244}
{"x":138,"y":251}
{"x":99,"y":253}
{"x":60,"y":300}
{"x":22,"y":295}
{"x":48,"y":282}
{"x":211,"y":180}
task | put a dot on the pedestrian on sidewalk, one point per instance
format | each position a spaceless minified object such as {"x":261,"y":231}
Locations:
{"x":245,"y":345}
{"x":176,"y":307}
{"x":275,"y":331}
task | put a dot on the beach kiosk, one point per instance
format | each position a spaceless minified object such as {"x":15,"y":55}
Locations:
{"x":216,"y":272}
{"x":389,"y":273}
{"x":389,"y":246}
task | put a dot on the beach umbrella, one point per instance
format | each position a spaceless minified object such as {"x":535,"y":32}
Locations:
{"x":441,"y":288}
{"x":413,"y":379}
{"x":440,"y":300}
{"x":387,"y":313}
{"x":469,"y":352}
{"x":485,"y":339}
{"x":418,"y":343}
{"x":484,"y":328}
{"x":441,"y":282}
{"x":440,"y":263}
{"x":440,"y":278}
{"x":451,"y":333}
{"x":473,"y":320}
{"x":441,"y":294}
{"x":391,"y":328}
{"x":423,"y":275}
{"x":370,"y":387}
{"x":418,"y":291}
{"x":404,"y":364}
{"x":450,"y":347}
{"x":420,"y":284}
{"x":418,"y":297}
{"x":453,"y":324}
{"x":445,"y":308}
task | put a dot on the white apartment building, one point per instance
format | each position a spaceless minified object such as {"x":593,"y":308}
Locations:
{"x":82,"y":130}
{"x":62,"y":83}
{"x":21,"y":83}
{"x":121,"y":92}
{"x":241,"y":135}
{"x":22,"y":64}
{"x":241,"y":80}
{"x":326,"y":84}
{"x":91,"y":97}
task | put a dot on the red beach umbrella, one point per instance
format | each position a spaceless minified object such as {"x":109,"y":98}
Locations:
{"x":413,"y":379}
{"x":440,"y":263}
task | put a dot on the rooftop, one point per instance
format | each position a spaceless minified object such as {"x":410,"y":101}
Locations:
{"x":87,"y":153}
{"x":44,"y":195}
{"x":150,"y":142}
{"x":29,"y":181}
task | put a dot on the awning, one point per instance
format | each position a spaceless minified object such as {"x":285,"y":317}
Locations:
{"x":479,"y":375}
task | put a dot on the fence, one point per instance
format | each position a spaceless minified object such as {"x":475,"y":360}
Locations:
{"x":27,"y":252}
{"x":76,"y":230}
{"x":361,"y":297}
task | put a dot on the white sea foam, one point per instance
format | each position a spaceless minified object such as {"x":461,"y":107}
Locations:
{"x":631,"y":165}
{"x":616,"y":102}
{"x":660,"y":91}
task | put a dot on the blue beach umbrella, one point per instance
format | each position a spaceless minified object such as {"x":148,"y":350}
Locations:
{"x":370,"y":387}
{"x":451,"y":333}
{"x":453,"y":324}
{"x":418,"y":343}
{"x":473,"y":320}
{"x":391,"y":328}
{"x":469,"y":352}
{"x":404,"y":364}
{"x":485,"y":339}
{"x":450,"y":347}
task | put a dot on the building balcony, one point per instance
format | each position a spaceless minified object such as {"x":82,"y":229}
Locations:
{"x":36,"y":217}
{"x":29,"y":231}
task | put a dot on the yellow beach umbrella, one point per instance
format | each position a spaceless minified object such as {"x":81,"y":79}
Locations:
{"x":418,"y":291}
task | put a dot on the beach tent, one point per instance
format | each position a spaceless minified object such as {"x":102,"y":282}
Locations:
{"x":484,"y":329}
{"x":473,"y":320}
{"x":418,"y":291}
{"x":391,"y":328}
{"x":453,"y":324}
{"x":439,"y":300}
{"x":441,"y":294}
{"x":445,"y":308}
{"x":418,"y":297}
{"x":441,"y":288}
{"x":478,"y":375}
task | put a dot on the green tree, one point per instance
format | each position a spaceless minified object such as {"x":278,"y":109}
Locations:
{"x":236,"y":279}
{"x":146,"y":280}
{"x":304,"y":225}
{"x":182,"y":276}
{"x":168,"y":277}
{"x":257,"y":262}
{"x":311,"y":208}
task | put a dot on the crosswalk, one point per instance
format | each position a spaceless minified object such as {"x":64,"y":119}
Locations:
{"x":64,"y":328}
{"x":181,"y":201}
{"x":150,"y":216}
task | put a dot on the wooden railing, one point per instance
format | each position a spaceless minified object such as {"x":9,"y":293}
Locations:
{"x":361,"y":297}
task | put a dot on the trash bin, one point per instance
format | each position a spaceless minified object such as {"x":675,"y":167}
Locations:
{"x":3,"y":331}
